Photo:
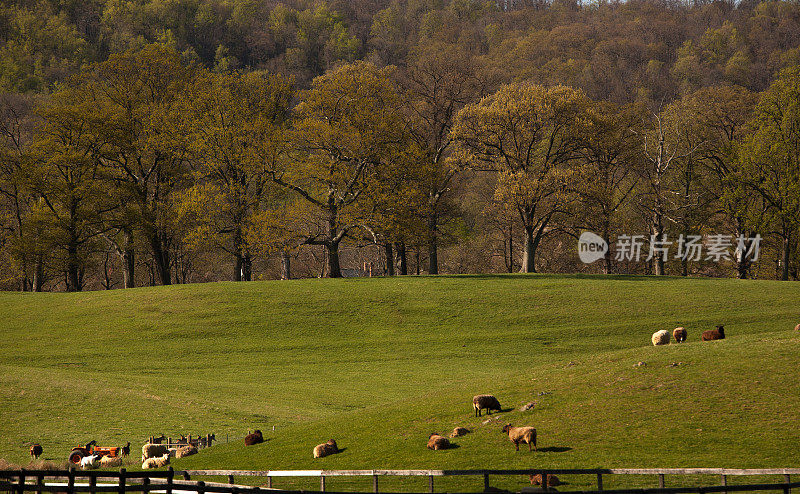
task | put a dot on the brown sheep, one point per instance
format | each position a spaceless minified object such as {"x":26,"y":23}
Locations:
{"x":488,"y":402}
{"x":679,"y":334}
{"x":325,"y":449}
{"x":459,"y":431}
{"x":110,"y":462}
{"x":797,"y":328}
{"x":714,"y":334}
{"x":436,"y":442}
{"x":552,"y":480}
{"x":254,"y":438}
{"x":521,"y":435}
{"x":36,"y":451}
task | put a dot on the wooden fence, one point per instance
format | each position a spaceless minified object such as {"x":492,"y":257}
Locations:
{"x":122,"y":482}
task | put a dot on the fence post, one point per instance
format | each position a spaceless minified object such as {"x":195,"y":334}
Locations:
{"x":660,"y":480}
{"x":145,"y":483}
{"x":186,"y":475}
{"x":21,"y":488}
{"x":322,"y":483}
{"x":374,"y":483}
{"x":724,"y":480}
{"x":599,"y":481}
{"x":230,"y":479}
{"x":122,"y":473}
{"x":39,"y":482}
{"x":71,"y":480}
{"x":92,"y":484}
{"x":170,"y":475}
{"x":788,"y":481}
{"x":430,"y":484}
{"x":485,"y":482}
{"x":544,"y":481}
{"x":201,"y":487}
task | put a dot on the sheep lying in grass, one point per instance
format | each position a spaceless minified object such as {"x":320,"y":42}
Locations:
{"x":185,"y":451}
{"x":156,"y":462}
{"x":437,"y":442}
{"x":459,"y":431}
{"x":325,"y":449}
{"x":552,"y":480}
{"x":488,"y":402}
{"x":36,"y":451}
{"x":254,"y":438}
{"x":521,"y":435}
{"x":679,"y":334}
{"x":713,"y":334}
{"x":152,"y":450}
{"x":660,"y":337}
{"x":90,"y":462}
{"x":108,"y":461}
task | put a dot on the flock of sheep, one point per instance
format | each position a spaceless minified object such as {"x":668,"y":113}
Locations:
{"x":663,"y":337}
{"x":157,"y":455}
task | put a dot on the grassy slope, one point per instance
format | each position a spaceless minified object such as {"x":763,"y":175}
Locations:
{"x":378,"y":364}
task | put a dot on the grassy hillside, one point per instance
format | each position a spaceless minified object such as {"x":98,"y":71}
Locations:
{"x":378,"y":364}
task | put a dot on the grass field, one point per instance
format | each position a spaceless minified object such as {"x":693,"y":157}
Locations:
{"x":378,"y":364}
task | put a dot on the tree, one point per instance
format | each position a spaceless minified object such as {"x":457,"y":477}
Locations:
{"x":346,"y":129}
{"x":237,"y":133}
{"x":772,"y":158}
{"x":528,"y":134}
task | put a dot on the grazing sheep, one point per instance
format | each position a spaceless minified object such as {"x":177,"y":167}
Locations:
{"x":488,"y":402}
{"x":552,"y":480}
{"x":660,"y":337}
{"x":714,"y":334}
{"x":254,"y":438}
{"x":437,"y":442}
{"x":126,"y":450}
{"x":36,"y":451}
{"x":150,"y":450}
{"x":459,"y":431}
{"x":188,"y":450}
{"x":679,"y":334}
{"x":325,"y":449}
{"x":108,"y":461}
{"x":90,"y":462}
{"x":521,"y":435}
{"x":156,"y":462}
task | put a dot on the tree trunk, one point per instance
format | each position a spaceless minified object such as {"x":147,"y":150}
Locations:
{"x":785,"y":257}
{"x":38,"y":274}
{"x":247,"y":267}
{"x":73,"y":281}
{"x":528,"y":251}
{"x":237,"y":267}
{"x":658,"y":231}
{"x":286,"y":266}
{"x":433,"y":248}
{"x":161,"y":260}
{"x":389,"y":259}
{"x":128,"y":267}
{"x":401,"y":254}
{"x":334,"y":271}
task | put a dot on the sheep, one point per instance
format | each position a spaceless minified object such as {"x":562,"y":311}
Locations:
{"x":90,"y":462}
{"x":488,"y":402}
{"x":186,"y":451}
{"x":459,"y":431}
{"x":36,"y":451}
{"x":679,"y":334}
{"x":714,"y":334}
{"x":150,"y":450}
{"x":126,"y":450}
{"x":171,"y":452}
{"x":325,"y":449}
{"x":660,"y":337}
{"x":108,"y":461}
{"x":156,"y":462}
{"x":254,"y":438}
{"x":437,"y":442}
{"x":552,"y":480}
{"x":797,"y":328}
{"x":521,"y":435}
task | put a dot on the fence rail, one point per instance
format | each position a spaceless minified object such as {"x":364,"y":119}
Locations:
{"x":122,"y":482}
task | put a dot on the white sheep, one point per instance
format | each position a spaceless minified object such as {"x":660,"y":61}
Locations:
{"x":661,"y":337}
{"x":156,"y":462}
{"x":108,"y":461}
{"x":90,"y":462}
{"x":150,"y":450}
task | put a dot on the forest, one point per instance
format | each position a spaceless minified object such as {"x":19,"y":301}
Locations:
{"x":154,"y":142}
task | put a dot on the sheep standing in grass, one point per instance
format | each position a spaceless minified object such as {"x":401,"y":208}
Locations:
{"x":459,"y":431}
{"x":660,"y":337}
{"x":90,"y":462}
{"x":152,"y":450}
{"x":521,"y":435}
{"x":254,"y":438}
{"x":185,"y":451}
{"x":488,"y":402}
{"x":156,"y":462}
{"x":108,"y":461}
{"x":714,"y":334}
{"x":36,"y":451}
{"x":679,"y":334}
{"x":437,"y":442}
{"x":325,"y":449}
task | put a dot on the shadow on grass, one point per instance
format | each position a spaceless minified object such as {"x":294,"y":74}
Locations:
{"x":555,"y":449}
